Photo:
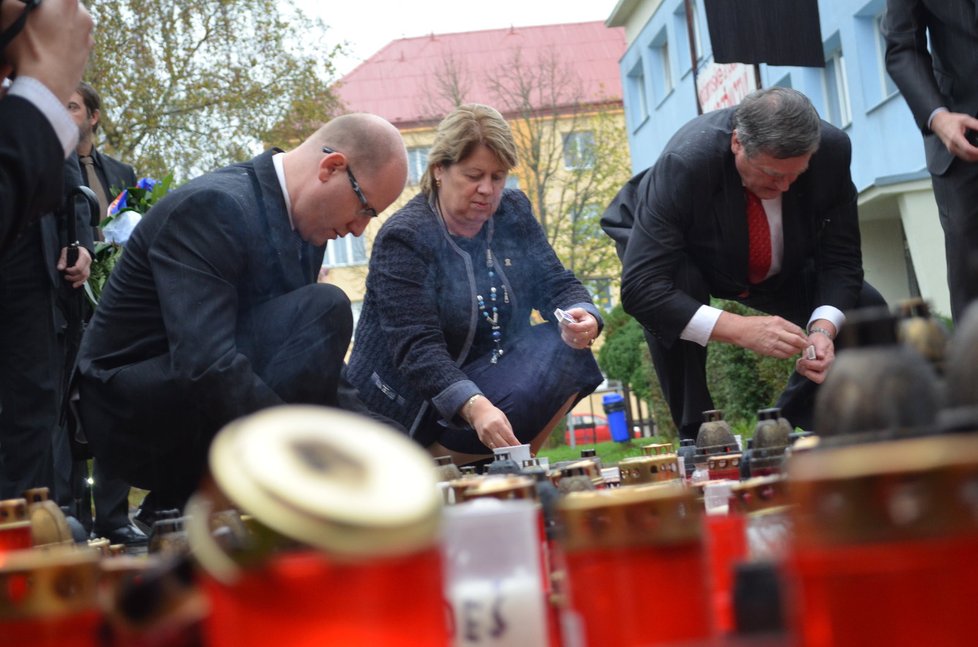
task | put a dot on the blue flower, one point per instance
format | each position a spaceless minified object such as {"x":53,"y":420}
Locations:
{"x":146,"y":183}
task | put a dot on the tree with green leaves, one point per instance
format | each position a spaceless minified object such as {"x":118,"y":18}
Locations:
{"x":624,"y":356}
{"x":188,"y":87}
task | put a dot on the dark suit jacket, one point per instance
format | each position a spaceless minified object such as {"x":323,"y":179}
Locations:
{"x":115,"y":175}
{"x":31,"y":167}
{"x":195,"y":266}
{"x":947,"y":75}
{"x":54,"y":227}
{"x":691,"y":205}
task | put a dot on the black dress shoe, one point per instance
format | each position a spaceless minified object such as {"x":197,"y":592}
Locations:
{"x":129,"y":535}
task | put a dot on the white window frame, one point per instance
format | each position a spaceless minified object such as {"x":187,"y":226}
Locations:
{"x":354,"y":252}
{"x":579,"y":150}
{"x":417,"y":163}
{"x":836,"y":88}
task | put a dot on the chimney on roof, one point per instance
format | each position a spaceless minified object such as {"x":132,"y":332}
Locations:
{"x":512,"y":29}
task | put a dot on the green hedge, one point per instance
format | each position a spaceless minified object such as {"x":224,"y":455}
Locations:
{"x":741,"y":382}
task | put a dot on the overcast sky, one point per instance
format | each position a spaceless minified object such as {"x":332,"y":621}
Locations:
{"x":368,"y":25}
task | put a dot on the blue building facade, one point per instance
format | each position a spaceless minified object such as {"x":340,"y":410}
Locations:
{"x":903,"y":247}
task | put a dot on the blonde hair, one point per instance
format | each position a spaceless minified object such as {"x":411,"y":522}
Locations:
{"x":461,"y":131}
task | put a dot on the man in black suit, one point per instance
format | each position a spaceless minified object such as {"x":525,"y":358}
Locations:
{"x":106,"y":176}
{"x":941,"y":88}
{"x":754,"y":204}
{"x":214,"y":312}
{"x":32,"y":272}
{"x":47,"y":52}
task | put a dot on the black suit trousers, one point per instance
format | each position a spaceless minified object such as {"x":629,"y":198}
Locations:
{"x":30,"y":368}
{"x":956,"y":192}
{"x":154,"y":436}
{"x":681,"y":367}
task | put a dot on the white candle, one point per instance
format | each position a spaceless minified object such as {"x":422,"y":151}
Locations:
{"x":499,"y":612}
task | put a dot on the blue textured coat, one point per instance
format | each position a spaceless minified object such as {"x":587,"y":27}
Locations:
{"x":420,"y":321}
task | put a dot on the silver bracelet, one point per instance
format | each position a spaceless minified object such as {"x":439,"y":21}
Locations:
{"x":825,"y":332}
{"x":468,"y":405}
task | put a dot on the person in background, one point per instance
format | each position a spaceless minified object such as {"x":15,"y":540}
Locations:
{"x":753,"y":204}
{"x":931,"y":50}
{"x":213,"y":311}
{"x":103,"y":174}
{"x":106,"y":176}
{"x":445,"y":345}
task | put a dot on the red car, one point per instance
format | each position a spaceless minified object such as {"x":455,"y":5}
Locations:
{"x":588,"y":429}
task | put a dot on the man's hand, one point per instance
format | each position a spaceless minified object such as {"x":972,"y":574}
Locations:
{"x":771,"y":336}
{"x":78,"y":273}
{"x":816,"y":369}
{"x":53,"y":47}
{"x":952,"y":128}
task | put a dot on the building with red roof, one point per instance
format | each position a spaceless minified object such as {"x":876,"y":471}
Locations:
{"x":397,"y":82}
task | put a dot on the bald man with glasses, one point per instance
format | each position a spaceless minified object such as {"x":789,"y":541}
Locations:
{"x":214,"y":311}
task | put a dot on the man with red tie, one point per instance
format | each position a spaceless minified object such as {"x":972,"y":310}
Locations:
{"x":753,"y":204}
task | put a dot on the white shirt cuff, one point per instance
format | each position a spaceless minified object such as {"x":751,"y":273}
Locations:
{"x":44,"y":100}
{"x":829,"y":313}
{"x":933,"y":114}
{"x":700,"y":327}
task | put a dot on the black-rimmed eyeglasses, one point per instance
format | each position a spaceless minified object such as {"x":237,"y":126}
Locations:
{"x":365,"y":210}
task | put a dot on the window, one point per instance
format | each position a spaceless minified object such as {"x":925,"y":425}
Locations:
{"x":579,"y":150}
{"x":635,"y":87}
{"x":357,"y":308}
{"x":348,"y":250}
{"x":661,"y":66}
{"x":836,"y":88}
{"x":887,"y":86}
{"x":417,"y":163}
{"x":868,"y":56}
{"x":682,"y":35}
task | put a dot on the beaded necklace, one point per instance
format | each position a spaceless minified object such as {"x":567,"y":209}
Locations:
{"x":493,"y":319}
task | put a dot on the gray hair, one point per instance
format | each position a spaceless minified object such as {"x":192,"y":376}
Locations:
{"x":461,"y":131}
{"x":779,"y":122}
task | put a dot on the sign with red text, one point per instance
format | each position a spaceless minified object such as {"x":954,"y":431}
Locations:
{"x":723,"y":85}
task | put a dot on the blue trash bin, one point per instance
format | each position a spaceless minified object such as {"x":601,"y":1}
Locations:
{"x":614,"y":408}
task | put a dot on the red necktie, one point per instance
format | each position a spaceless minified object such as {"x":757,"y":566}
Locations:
{"x":759,"y":238}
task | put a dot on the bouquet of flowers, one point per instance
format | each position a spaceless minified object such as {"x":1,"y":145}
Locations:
{"x":124,"y":214}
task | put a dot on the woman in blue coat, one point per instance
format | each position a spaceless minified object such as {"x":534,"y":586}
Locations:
{"x":445,"y":344}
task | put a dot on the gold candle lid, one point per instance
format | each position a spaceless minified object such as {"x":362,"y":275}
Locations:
{"x":884,"y":492}
{"x":13,"y":511}
{"x":655,"y":449}
{"x":585,"y":467}
{"x":759,"y":493}
{"x":646,"y":515}
{"x":648,"y":469}
{"x":329,"y":479}
{"x":723,"y":461}
{"x":48,"y":583}
{"x":504,"y":488}
{"x":461,"y":486}
{"x":48,"y":523}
